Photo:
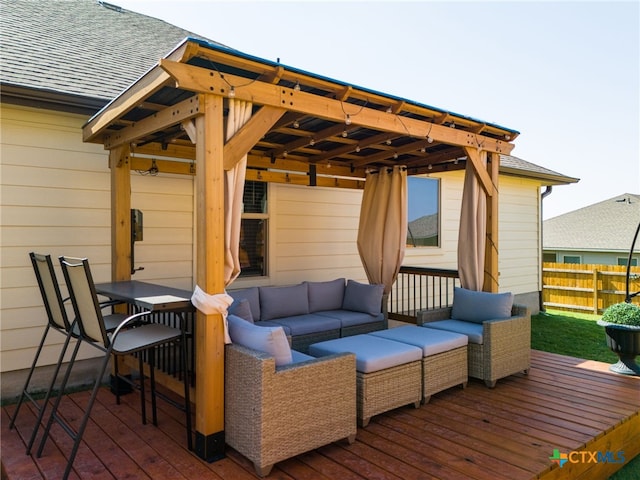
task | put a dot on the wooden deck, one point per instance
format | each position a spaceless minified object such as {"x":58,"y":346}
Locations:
{"x":506,"y":433}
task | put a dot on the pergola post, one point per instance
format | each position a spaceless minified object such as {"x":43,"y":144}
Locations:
{"x":120,"y":168}
{"x":209,"y":341}
{"x":491,"y":271}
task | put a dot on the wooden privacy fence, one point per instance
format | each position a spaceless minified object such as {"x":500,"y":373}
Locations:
{"x":586,"y":288}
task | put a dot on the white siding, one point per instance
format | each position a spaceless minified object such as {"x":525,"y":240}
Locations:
{"x":55,"y":199}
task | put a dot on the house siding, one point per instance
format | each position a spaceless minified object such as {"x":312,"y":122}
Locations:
{"x":56,"y":199}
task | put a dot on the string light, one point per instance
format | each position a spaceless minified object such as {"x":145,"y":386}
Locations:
{"x":395,"y":155}
{"x":296,"y":124}
{"x":297,"y":86}
{"x":429,"y":139}
{"x":389,"y":110}
{"x":344,"y":134}
{"x":312,"y":142}
{"x":423,"y":150}
{"x":430,"y":167}
{"x":285,"y":154}
{"x":347,"y":119}
{"x":357,"y":148}
{"x":232,"y":92}
{"x":388,"y":142}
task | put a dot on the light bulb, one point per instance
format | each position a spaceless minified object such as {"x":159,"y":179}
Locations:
{"x":296,"y":124}
{"x":388,"y":142}
{"x":344,"y":134}
{"x":297,"y":87}
{"x":395,"y":155}
{"x":347,"y":120}
{"x":455,"y":162}
{"x":429,"y":139}
{"x":312,"y":142}
{"x":232,"y":92}
{"x":285,"y":154}
{"x":389,"y":110}
{"x":423,"y":150}
{"x":430,"y":167}
{"x":507,"y":137}
{"x":357,"y":148}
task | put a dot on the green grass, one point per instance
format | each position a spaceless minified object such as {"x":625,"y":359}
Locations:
{"x":577,"y":335}
{"x":573,"y":334}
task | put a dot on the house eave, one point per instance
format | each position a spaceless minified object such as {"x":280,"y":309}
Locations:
{"x":50,"y":99}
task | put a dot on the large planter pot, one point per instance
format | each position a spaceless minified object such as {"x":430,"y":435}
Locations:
{"x":624,"y":340}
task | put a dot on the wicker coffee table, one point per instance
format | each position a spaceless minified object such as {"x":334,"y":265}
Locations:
{"x":388,"y":373}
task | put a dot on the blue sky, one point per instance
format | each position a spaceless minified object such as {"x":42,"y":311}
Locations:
{"x":565,"y":74}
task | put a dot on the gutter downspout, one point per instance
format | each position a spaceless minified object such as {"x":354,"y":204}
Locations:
{"x":544,"y":194}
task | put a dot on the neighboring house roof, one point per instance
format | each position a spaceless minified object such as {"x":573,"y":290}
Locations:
{"x":605,"y":226}
{"x":79,"y":54}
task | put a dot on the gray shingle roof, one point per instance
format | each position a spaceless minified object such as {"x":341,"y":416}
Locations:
{"x":518,"y":166}
{"x":80,"y":47}
{"x":605,"y":226}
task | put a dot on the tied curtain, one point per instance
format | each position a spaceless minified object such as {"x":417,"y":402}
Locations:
{"x":382,"y":233}
{"x":239,"y":114}
{"x":473,"y":229}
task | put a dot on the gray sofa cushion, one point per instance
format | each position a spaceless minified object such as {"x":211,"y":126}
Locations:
{"x":309,"y":323}
{"x":271,"y":340}
{"x":472,"y":306}
{"x":252,"y":294}
{"x":471,"y":329}
{"x":326,"y":295}
{"x":278,"y":302}
{"x":363,"y":297}
{"x":349,"y":318}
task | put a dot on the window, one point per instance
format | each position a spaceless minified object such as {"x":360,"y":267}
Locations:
{"x":253,"y":233}
{"x":571,"y":259}
{"x":623,"y":261}
{"x":549,"y":257}
{"x":423,"y":228}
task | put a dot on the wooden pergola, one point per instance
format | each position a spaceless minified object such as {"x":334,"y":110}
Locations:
{"x":305,"y":130}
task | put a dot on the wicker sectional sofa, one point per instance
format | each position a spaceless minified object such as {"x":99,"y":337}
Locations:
{"x":311,"y":312}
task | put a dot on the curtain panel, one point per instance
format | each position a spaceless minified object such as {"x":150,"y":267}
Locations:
{"x":382,"y":232}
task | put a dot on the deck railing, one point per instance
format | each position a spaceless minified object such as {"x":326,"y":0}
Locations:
{"x":421,"y":288}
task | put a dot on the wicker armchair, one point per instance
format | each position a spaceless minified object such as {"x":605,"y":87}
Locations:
{"x":272,"y":414}
{"x":506,"y":345}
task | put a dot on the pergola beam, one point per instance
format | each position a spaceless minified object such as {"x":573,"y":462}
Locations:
{"x":202,"y":80}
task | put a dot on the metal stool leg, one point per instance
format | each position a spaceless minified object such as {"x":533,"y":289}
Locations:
{"x":49,"y":393}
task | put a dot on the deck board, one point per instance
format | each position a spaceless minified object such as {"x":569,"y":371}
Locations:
{"x":475,"y":433}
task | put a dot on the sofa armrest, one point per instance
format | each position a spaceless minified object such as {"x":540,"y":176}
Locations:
{"x":297,"y":407}
{"x":426,"y":316}
{"x":507,"y":343}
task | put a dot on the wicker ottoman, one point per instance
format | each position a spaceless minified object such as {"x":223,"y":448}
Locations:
{"x":388,"y":373}
{"x":444,"y":356}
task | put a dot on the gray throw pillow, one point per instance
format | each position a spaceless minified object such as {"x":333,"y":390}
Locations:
{"x":241,"y":308}
{"x":252,"y":294}
{"x":472,"y":306}
{"x":271,"y":340}
{"x":278,"y":302}
{"x":363,"y":297}
{"x":326,"y":295}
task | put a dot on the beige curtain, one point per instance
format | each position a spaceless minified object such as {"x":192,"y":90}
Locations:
{"x":473,"y":229}
{"x":382,"y":234}
{"x":239,"y":114}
